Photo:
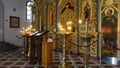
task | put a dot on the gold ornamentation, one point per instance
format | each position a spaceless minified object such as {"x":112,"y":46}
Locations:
{"x":109,"y":2}
{"x":109,"y":9}
{"x":68,"y":12}
{"x":92,"y":23}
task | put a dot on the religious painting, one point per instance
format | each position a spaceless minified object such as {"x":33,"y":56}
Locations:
{"x":52,"y":15}
{"x":109,"y":27}
{"x":88,"y":25}
{"x":51,"y":18}
{"x":68,"y":16}
{"x":86,"y":11}
{"x":68,"y":12}
{"x":14,"y":22}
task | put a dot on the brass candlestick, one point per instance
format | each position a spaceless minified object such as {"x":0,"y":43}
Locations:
{"x":86,"y":48}
{"x":64,"y":30}
{"x":64,"y":64}
{"x":86,"y":54}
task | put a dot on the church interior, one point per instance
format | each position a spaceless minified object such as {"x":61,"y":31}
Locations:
{"x":59,"y":34}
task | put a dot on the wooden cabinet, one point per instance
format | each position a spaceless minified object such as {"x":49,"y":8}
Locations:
{"x":47,"y":54}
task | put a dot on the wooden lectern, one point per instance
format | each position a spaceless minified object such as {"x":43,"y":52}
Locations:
{"x":47,"y":54}
{"x":33,"y":46}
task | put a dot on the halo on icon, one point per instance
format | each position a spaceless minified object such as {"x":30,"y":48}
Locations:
{"x":109,"y":9}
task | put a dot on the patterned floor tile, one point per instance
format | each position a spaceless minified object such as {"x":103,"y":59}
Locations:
{"x":8,"y":56}
{"x":20,"y":63}
{"x":3,"y":59}
{"x":12,"y":58}
{"x":7,"y":63}
{"x":79,"y":62}
{"x":23,"y":59}
{"x":15,"y":67}
{"x":3,"y":66}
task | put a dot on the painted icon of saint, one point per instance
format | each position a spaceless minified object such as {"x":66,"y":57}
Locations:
{"x":87,"y":10}
{"x":109,"y":28}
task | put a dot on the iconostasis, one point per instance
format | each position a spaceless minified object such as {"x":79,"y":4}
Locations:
{"x":96,"y":19}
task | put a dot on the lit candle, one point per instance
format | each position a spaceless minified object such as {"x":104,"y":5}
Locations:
{"x":62,"y":30}
{"x":30,"y":26}
{"x":26,"y":31}
{"x":94,"y":29}
{"x":33,"y":30}
{"x":67,"y":23}
{"x":80,"y":21}
{"x":70,"y":22}
{"x":60,"y":26}
{"x":86,"y":27}
{"x":69,"y":28}
{"x":21,"y":31}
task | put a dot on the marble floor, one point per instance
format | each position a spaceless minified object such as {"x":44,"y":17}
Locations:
{"x":10,"y":57}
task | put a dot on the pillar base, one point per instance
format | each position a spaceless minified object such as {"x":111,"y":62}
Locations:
{"x":64,"y":66}
{"x":85,"y":66}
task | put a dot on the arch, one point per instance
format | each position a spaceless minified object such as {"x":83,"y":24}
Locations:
{"x":1,"y":21}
